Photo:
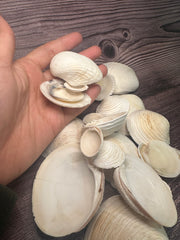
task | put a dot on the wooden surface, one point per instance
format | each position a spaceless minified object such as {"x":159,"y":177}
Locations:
{"x":142,"y":34}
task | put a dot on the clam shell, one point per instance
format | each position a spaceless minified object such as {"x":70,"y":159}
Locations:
{"x":74,"y":68}
{"x":116,"y":221}
{"x":161,"y":157}
{"x":145,"y":191}
{"x":125,"y":77}
{"x":91,"y":141}
{"x":75,"y":89}
{"x":66,"y":192}
{"x":145,"y":125}
{"x":113,"y":105}
{"x":107,"y":87}
{"x":65,"y":95}
{"x":70,"y":134}
{"x":46,"y":87}
{"x":109,"y":156}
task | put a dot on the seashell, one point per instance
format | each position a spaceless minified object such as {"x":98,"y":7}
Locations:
{"x":90,"y":117}
{"x":91,"y":141}
{"x":108,"y":124}
{"x":107,"y":87}
{"x":125,"y":78}
{"x":145,"y":191}
{"x":66,"y":192}
{"x":112,"y":105}
{"x":161,"y":157}
{"x":70,"y":134}
{"x":145,"y":125}
{"x":126,"y":144}
{"x":75,"y":89}
{"x":46,"y":88}
{"x":109,"y":156}
{"x":115,"y":220}
{"x":75,"y":69}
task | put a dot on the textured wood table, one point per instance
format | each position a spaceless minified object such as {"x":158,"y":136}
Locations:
{"x":142,"y":34}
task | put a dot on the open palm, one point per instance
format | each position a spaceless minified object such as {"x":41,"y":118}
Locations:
{"x":28,"y":122}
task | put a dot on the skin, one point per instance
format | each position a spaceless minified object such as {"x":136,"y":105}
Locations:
{"x":28,"y":121}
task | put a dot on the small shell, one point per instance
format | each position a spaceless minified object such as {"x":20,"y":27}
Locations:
{"x":107,"y":87}
{"x":75,"y":89}
{"x":92,"y":117}
{"x":162,"y":157}
{"x":70,"y":134}
{"x":112,"y":105}
{"x":74,"y":68}
{"x":145,"y":125}
{"x":46,"y":87}
{"x":109,"y":156}
{"x":145,"y":191}
{"x":91,"y":141}
{"x":66,"y":192}
{"x":116,"y":221}
{"x":125,"y":78}
{"x":65,"y":95}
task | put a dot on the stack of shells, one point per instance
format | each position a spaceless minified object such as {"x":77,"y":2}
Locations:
{"x":122,"y":141}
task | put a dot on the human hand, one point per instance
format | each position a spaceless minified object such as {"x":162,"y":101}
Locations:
{"x":28,"y":121}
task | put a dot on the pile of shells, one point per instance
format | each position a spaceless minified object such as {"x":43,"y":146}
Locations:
{"x":121,"y":142}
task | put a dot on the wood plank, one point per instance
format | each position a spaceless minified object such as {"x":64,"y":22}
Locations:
{"x":142,"y":34}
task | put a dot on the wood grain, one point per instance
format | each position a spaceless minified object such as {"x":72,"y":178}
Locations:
{"x":142,"y":34}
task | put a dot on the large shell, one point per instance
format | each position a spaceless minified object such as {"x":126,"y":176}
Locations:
{"x":70,"y":134}
{"x":145,"y":191}
{"x":125,"y":78}
{"x":109,"y":156}
{"x":74,"y":68}
{"x":46,"y":89}
{"x":162,"y":157}
{"x":66,"y":192}
{"x":145,"y":125}
{"x":116,"y":221}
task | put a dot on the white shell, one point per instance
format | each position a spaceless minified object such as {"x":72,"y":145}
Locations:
{"x":125,"y":78}
{"x":91,"y":141}
{"x":109,"y":156}
{"x":74,"y":68}
{"x":107,"y":87}
{"x":145,"y":191}
{"x":70,"y":134}
{"x":161,"y":157}
{"x":46,"y":87}
{"x":75,"y":89}
{"x":65,"y":95}
{"x":66,"y":192}
{"x":145,"y":125}
{"x":116,"y":221}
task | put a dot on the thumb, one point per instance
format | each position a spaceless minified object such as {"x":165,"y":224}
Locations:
{"x":7,"y":43}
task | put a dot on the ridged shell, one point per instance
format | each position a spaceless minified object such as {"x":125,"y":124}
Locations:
{"x":125,"y":77}
{"x":109,"y":156}
{"x":107,"y":87}
{"x":70,"y":134}
{"x":66,"y":192}
{"x":145,"y":125}
{"x":161,"y":157}
{"x":145,"y":191}
{"x":116,"y":221}
{"x":74,"y":68}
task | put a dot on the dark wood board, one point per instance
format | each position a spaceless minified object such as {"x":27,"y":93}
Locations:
{"x":142,"y":34}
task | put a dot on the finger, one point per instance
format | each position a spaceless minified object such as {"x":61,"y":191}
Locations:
{"x":92,"y":52}
{"x":71,"y":113}
{"x":7,"y":43}
{"x":43,"y":54}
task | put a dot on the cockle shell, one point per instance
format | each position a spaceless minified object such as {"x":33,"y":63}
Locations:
{"x":91,"y":141}
{"x":109,"y":156}
{"x":145,"y":125}
{"x":75,"y":69}
{"x":125,"y":78}
{"x":116,"y":221}
{"x":70,"y":134}
{"x":46,"y":88}
{"x":145,"y":191}
{"x":161,"y":157}
{"x":107,"y":87}
{"x":66,"y":192}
